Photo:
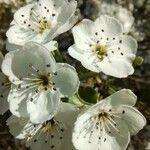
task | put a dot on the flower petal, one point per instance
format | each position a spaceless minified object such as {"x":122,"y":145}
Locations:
{"x":82,"y":33}
{"x":66,"y":80}
{"x":109,"y":25}
{"x":17,"y":64}
{"x":68,"y":19}
{"x":21,"y":128}
{"x":122,"y":97}
{"x":12,"y":47}
{"x":17,"y":102}
{"x":51,"y":46}
{"x":75,"y":52}
{"x":44,"y":107}
{"x":79,"y":55}
{"x":134,"y":119}
{"x":119,"y":67}
{"x":23,"y":14}
{"x":125,"y":44}
{"x":19,"y":35}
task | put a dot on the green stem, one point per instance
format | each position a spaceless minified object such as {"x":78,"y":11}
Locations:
{"x":58,"y":56}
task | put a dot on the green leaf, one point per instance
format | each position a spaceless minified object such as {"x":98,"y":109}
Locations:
{"x":88,"y":94}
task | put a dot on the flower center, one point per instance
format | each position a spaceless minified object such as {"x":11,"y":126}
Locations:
{"x":103,"y":116}
{"x":48,"y":126}
{"x":38,"y":80}
{"x":21,"y":2}
{"x":45,"y":80}
{"x":43,"y":25}
{"x":101,"y":51}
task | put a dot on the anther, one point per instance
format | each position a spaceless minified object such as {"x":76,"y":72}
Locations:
{"x":48,"y":65}
{"x":123,"y":112}
{"x":55,"y":73}
{"x":96,"y":33}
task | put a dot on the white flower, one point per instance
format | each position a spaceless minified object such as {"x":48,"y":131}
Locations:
{"x":4,"y":90}
{"x":122,"y":14}
{"x":101,"y":47}
{"x":39,"y":82}
{"x":109,"y":124}
{"x":42,"y":21}
{"x":53,"y":134}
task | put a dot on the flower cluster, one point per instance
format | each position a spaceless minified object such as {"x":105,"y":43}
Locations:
{"x":33,"y":84}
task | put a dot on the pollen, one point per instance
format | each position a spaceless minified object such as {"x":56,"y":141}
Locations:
{"x":20,"y":2}
{"x":43,"y":25}
{"x":103,"y":116}
{"x":48,"y":126}
{"x":44,"y":81}
{"x":101,"y":51}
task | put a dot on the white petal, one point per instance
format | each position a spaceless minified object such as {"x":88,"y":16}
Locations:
{"x":19,"y":35}
{"x":6,"y":67}
{"x":18,"y":102}
{"x":125,"y":44}
{"x":88,"y":65}
{"x":122,"y":97}
{"x":126,"y":17}
{"x":12,"y":47}
{"x":119,"y":67}
{"x":17,"y":64}
{"x":21,"y":128}
{"x":109,"y":25}
{"x":51,"y":46}
{"x":66,"y":80}
{"x":68,"y":19}
{"x":75,"y":52}
{"x":134,"y":119}
{"x":129,"y":44}
{"x":82,"y":33}
{"x":59,"y":137}
{"x":81,"y":56}
{"x":23,"y":14}
{"x":87,"y":136}
{"x":45,"y":106}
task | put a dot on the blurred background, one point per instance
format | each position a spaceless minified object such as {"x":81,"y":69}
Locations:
{"x":135,"y":16}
